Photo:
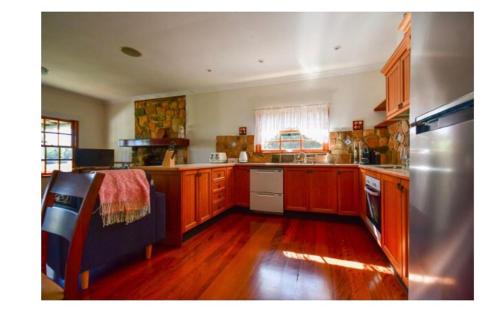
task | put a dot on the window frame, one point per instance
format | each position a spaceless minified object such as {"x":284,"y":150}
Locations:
{"x":281,"y":150}
{"x":74,"y":142}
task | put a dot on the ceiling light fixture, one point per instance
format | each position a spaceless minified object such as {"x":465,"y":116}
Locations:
{"x":260,"y":60}
{"x":45,"y":71}
{"x":209,"y":70}
{"x":131,"y":52}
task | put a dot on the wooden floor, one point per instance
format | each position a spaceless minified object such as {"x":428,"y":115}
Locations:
{"x":247,"y":256}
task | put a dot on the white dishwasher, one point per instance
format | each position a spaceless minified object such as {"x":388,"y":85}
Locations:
{"x":266,"y":190}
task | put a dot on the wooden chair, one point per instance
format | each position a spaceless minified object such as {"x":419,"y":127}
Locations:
{"x":68,"y":224}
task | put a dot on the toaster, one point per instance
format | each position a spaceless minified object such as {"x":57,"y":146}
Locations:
{"x":218,"y":158}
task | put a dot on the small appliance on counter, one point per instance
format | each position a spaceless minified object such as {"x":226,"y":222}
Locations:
{"x":217,"y":157}
{"x":243,"y":157}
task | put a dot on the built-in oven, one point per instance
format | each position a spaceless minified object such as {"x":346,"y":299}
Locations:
{"x":373,"y":204}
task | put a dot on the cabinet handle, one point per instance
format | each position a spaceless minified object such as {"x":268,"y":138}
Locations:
{"x":400,"y":105}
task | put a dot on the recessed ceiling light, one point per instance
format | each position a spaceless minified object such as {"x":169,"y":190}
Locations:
{"x":209,"y":70}
{"x":337,"y":47}
{"x":45,"y":71}
{"x":260,"y":60}
{"x":131,"y":52}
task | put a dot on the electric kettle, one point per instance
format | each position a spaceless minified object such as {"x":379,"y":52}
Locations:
{"x":243,"y":157}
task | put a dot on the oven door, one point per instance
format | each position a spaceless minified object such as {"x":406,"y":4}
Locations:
{"x":373,"y":212}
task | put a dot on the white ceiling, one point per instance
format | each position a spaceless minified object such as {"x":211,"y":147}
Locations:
{"x":82,"y":50}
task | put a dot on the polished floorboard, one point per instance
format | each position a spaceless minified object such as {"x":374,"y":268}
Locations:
{"x":249,"y":256}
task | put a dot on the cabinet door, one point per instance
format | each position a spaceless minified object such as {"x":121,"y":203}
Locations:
{"x":394,"y":89}
{"x":405,"y":191}
{"x":296,"y":189}
{"x":347,"y":191}
{"x":242,"y":186}
{"x":405,"y":65}
{"x":392,"y":222}
{"x":203,"y":195}
{"x":322,"y":190}
{"x":362,"y":194}
{"x":229,"y":187}
{"x":188,"y":199}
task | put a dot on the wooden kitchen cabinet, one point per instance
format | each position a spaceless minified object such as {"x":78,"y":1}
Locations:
{"x":219,"y":190}
{"x":203,"y":195}
{"x":296,"y":189}
{"x":395,"y":222}
{"x":322,"y":191}
{"x":242,"y":186}
{"x":347,"y":183}
{"x":229,"y":187}
{"x":394,"y":89}
{"x":188,"y":199}
{"x":195,"y":198}
{"x":397,"y":75}
{"x":310,"y":189}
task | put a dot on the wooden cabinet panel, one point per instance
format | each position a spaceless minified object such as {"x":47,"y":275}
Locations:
{"x":203,"y":192}
{"x":362,"y":194}
{"x":405,"y":66}
{"x":394,"y":89}
{"x":242,"y":186}
{"x":347,"y":191}
{"x":229,"y":187}
{"x":392,"y":222}
{"x":296,"y":189}
{"x":188,"y":199}
{"x":322,"y":190}
{"x":405,"y":205}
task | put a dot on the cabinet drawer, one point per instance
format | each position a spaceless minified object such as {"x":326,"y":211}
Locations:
{"x":218,"y":185}
{"x":218,"y":195}
{"x":218,"y":206}
{"x":218,"y":174}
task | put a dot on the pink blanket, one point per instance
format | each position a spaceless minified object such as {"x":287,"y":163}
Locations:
{"x":124,"y":196}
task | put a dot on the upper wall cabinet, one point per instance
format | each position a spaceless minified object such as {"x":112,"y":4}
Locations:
{"x":397,"y":75}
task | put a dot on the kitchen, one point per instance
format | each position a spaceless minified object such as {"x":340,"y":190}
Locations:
{"x":359,"y":146}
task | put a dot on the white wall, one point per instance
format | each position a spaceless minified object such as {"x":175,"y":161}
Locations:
{"x":351,"y":97}
{"x":90,"y":113}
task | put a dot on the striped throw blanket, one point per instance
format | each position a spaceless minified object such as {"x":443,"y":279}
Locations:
{"x":124,"y":196}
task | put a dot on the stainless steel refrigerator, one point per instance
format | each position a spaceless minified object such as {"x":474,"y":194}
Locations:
{"x":441,"y":261}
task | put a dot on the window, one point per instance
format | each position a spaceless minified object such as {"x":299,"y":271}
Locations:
{"x":59,"y":141}
{"x":292,"y":129}
{"x":292,"y":141}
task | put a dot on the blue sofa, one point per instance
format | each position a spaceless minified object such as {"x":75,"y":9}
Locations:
{"x":107,"y":244}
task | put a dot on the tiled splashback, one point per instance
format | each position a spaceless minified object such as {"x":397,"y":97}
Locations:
{"x":388,"y":141}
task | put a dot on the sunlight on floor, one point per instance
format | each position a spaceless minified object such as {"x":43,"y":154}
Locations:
{"x":338,"y":262}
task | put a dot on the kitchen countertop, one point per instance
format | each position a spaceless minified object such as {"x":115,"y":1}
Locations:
{"x":402,"y":173}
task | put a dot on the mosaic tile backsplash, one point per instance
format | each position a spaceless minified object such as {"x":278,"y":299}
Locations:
{"x":390,"y":142}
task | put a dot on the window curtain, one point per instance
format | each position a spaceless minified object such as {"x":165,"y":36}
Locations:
{"x":312,"y":121}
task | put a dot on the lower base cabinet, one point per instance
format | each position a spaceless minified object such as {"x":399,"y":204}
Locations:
{"x":323,"y":190}
{"x":195,"y":198}
{"x":242,"y":186}
{"x":348,"y":191}
{"x":395,"y":223}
